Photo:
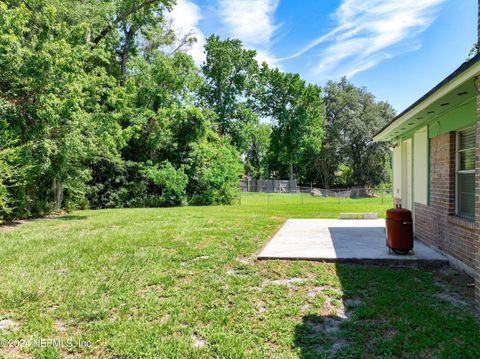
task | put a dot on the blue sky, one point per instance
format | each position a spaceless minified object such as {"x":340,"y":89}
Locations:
{"x":398,"y":49}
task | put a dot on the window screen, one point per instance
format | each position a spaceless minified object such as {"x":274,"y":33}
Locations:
{"x":465,"y":165}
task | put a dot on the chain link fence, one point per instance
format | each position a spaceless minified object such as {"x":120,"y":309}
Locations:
{"x":315,"y":195}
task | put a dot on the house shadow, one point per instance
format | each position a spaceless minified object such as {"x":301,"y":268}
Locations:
{"x":360,"y":252}
{"x":388,"y":311}
{"x":318,"y":336}
{"x":358,"y":244}
{"x":321,"y":334}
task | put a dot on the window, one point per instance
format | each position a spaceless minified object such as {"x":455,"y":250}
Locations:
{"x":465,"y":173}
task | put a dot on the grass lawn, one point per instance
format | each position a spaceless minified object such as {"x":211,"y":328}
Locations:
{"x":182,"y":282}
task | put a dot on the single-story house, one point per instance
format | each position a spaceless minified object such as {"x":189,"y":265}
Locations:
{"x":436,"y":166}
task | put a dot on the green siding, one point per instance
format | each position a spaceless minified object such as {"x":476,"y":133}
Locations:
{"x":420,"y":166}
{"x":456,"y":119}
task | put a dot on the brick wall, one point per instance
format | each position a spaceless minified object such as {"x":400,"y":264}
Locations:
{"x":436,"y":224}
{"x":477,"y":183}
{"x":477,"y":199}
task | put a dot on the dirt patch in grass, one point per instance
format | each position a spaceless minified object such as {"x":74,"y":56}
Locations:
{"x":452,"y":298}
{"x":60,"y":326}
{"x":322,"y":334}
{"x":193,"y":259}
{"x":289,"y":282}
{"x":319,"y":333}
{"x":13,"y":352}
{"x":113,"y":314}
{"x":313,"y":292}
{"x":240,"y":270}
{"x":8,"y":226}
{"x":164,"y":318}
{"x":455,"y":287}
{"x":201,"y":257}
{"x":245,"y":260}
{"x":327,"y":325}
{"x":8,"y":324}
{"x":198,"y":342}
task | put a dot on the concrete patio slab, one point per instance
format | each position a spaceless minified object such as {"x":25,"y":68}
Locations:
{"x":341,"y":240}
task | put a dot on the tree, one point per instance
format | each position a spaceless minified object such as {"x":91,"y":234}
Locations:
{"x":71,"y":136}
{"x":124,"y":10}
{"x":133,"y":17}
{"x":100,"y":106}
{"x":352,"y":117}
{"x":160,"y":115}
{"x":214,"y":170}
{"x":52,"y":105}
{"x":229,"y":72}
{"x":295,"y":109}
{"x":256,"y":158}
{"x":7,"y":153}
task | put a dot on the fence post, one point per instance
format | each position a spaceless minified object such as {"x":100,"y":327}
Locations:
{"x":301,"y":194}
{"x":382,"y":196}
{"x":268,"y":198}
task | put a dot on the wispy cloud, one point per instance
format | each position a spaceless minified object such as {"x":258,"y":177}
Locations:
{"x":185,"y":17}
{"x":368,"y":32}
{"x":251,"y":21}
{"x":365,"y":32}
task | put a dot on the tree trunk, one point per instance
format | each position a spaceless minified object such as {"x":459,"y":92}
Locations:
{"x":290,"y":177}
{"x":124,"y":54}
{"x":58,"y":188}
{"x":87,"y":36}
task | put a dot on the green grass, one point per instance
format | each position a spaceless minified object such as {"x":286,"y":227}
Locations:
{"x":182,"y":282}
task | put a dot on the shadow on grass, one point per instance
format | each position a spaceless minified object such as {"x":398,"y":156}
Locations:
{"x":382,"y":311}
{"x":70,"y":218}
{"x":11,"y":224}
{"x":317,"y":336}
{"x":17,"y":222}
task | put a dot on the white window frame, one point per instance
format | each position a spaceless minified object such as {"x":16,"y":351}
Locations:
{"x":458,"y":171}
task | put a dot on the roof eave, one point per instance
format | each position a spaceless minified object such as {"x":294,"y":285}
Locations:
{"x":465,"y":72}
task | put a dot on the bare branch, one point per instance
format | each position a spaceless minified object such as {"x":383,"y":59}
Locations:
{"x":187,"y":40}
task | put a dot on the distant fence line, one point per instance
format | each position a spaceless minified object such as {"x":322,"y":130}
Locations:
{"x":286,"y":186}
{"x":354,"y":192}
{"x":271,"y":186}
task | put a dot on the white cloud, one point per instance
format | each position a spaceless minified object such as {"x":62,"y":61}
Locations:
{"x":251,"y":21}
{"x":369,"y":31}
{"x":366,"y":32}
{"x":185,"y":17}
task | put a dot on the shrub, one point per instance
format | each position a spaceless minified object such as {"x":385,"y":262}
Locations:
{"x":214,"y":169}
{"x":5,"y":179}
{"x":3,"y":198}
{"x":132,"y":184}
{"x":170,"y":183}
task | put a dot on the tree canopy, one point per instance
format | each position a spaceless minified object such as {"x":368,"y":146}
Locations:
{"x":101,"y":106}
{"x":295,"y":109}
{"x":349,"y":157}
